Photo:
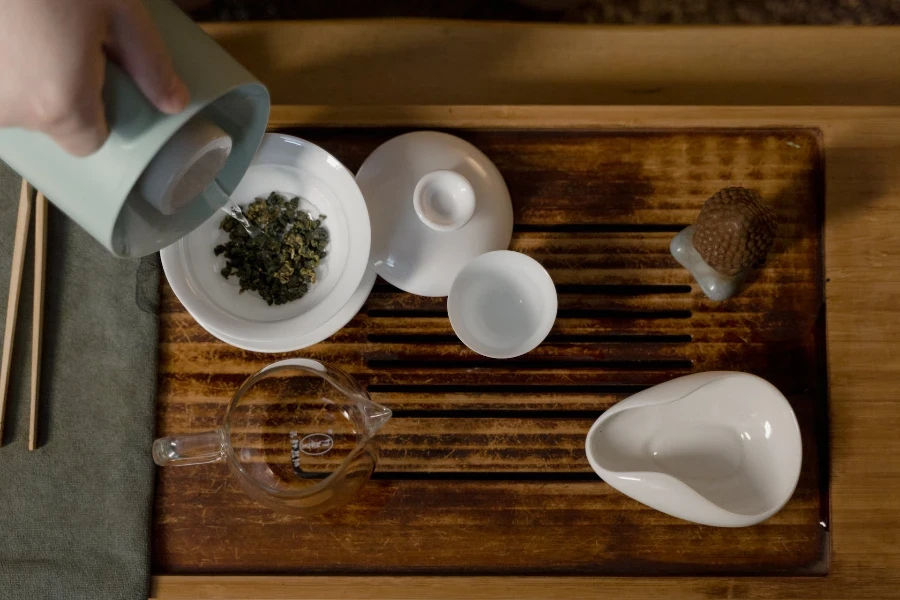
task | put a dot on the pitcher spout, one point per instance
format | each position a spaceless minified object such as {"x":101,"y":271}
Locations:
{"x":375,"y":416}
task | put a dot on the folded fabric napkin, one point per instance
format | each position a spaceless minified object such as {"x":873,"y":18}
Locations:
{"x":75,"y":514}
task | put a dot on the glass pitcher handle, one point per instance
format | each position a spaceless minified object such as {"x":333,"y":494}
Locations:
{"x":192,"y":449}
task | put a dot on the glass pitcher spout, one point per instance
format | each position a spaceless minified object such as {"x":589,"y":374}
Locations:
{"x":375,"y":416}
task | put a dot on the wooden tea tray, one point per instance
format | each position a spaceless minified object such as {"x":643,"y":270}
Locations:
{"x":482,"y":468}
{"x":837,"y":82}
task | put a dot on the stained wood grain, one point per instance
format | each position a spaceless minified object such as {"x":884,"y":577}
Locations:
{"x":418,"y":62}
{"x":483,"y":464}
{"x":494,"y":522}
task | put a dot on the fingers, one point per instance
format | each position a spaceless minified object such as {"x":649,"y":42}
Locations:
{"x":56,"y":86}
{"x":84,"y":132}
{"x":70,"y":109}
{"x":137,"y":47}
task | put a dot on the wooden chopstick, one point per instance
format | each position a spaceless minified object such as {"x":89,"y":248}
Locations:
{"x":37,"y":323}
{"x":15,"y":287}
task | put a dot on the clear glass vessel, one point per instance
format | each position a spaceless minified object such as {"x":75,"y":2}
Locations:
{"x":297,"y":435}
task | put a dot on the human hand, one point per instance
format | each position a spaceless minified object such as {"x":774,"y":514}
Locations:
{"x":53,"y":59}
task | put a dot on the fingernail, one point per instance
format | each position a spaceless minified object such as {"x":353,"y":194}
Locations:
{"x":178,"y":97}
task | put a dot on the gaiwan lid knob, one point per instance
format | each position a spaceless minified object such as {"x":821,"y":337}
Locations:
{"x":185,"y":165}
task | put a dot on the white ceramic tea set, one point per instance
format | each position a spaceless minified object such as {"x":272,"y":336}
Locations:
{"x":432,"y":215}
{"x":428,"y":212}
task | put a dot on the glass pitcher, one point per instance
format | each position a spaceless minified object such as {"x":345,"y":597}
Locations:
{"x":297,"y":435}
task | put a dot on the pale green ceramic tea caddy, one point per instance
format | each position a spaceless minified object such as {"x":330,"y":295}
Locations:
{"x":158,"y":176}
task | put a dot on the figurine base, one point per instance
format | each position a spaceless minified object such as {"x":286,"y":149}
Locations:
{"x":716,"y":286}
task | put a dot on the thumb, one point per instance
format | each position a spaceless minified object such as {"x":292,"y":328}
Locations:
{"x":137,"y":47}
{"x":72,"y":112}
{"x":84,"y":129}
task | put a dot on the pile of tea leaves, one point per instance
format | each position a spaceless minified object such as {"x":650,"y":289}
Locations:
{"x":278,"y":256}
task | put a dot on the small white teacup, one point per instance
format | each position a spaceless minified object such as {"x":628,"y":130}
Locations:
{"x":502,"y":304}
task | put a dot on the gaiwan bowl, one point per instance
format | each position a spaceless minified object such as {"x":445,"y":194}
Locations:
{"x":292,"y":167}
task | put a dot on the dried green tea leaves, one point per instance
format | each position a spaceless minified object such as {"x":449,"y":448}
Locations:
{"x":279,"y":259}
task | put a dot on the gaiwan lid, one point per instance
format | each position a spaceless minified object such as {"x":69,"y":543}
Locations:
{"x":435,"y":202}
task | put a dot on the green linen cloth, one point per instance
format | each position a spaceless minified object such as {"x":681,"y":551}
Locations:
{"x":75,"y":514}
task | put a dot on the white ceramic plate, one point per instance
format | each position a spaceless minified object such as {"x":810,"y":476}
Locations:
{"x":406,"y":251}
{"x":335,"y":324}
{"x":294,"y":167}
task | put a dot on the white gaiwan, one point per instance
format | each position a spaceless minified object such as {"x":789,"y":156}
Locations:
{"x":436,"y":203}
{"x":717,"y":448}
{"x":293,"y":167}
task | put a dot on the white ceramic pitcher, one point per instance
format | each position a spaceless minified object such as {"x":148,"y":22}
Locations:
{"x":716,"y":448}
